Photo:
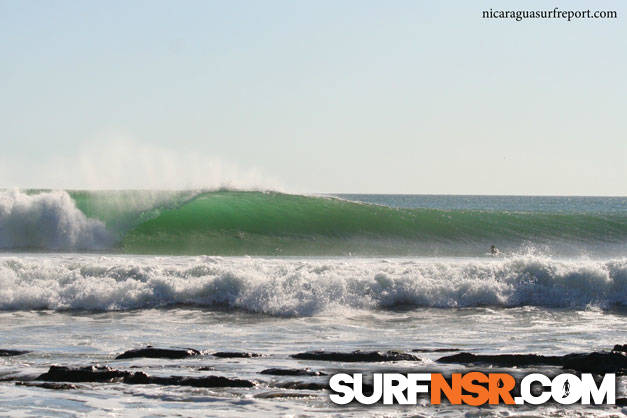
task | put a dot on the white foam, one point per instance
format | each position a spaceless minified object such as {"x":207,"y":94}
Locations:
{"x":48,"y":220}
{"x":305,"y":287}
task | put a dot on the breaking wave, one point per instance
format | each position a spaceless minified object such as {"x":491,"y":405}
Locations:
{"x":50,"y":221}
{"x":268,"y":223}
{"x":291,"y":287}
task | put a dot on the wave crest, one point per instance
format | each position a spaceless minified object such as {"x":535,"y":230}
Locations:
{"x":227,"y":222}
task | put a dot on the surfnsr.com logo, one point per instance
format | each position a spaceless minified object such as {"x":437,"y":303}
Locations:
{"x":473,"y":388}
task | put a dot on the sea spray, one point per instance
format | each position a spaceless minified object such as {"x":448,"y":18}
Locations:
{"x":48,"y":220}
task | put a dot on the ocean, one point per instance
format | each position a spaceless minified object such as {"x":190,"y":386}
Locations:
{"x":88,"y":275}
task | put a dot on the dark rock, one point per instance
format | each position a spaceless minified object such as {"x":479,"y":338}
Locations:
{"x":55,"y":386}
{"x":235,"y":354}
{"x":292,"y":372}
{"x":199,"y":382}
{"x":139,"y":378}
{"x":435,"y":350}
{"x":356,"y":356}
{"x":151,"y":352}
{"x":303,"y":385}
{"x":215,"y":381}
{"x":8,"y":353}
{"x":621,"y":348}
{"x":599,"y":362}
{"x":503,"y":360}
{"x":108,"y":375}
{"x":278,"y":395}
{"x":83,"y":374}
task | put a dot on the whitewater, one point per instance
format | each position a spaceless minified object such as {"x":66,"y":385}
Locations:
{"x":305,"y":287}
{"x":87,"y":275}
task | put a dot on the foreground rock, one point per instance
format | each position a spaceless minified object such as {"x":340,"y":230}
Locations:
{"x":9,"y":353}
{"x":54,"y":386}
{"x":235,"y":354}
{"x":503,"y":360}
{"x":599,"y":362}
{"x":596,"y":362}
{"x":109,"y":375}
{"x":151,"y":352}
{"x":356,"y":356}
{"x":281,"y":395}
{"x":621,"y":348}
{"x":303,"y":386}
{"x":84,"y":374}
{"x":292,"y":372}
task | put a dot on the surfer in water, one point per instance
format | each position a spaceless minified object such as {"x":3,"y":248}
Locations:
{"x":494,"y":250}
{"x":566,"y":389}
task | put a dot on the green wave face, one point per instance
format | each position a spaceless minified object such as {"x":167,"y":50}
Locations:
{"x":123,"y":210}
{"x":257,"y":223}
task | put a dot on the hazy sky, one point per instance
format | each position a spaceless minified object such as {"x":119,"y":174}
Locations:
{"x":314,"y":96}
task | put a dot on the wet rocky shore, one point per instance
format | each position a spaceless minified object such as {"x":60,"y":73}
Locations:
{"x":60,"y":377}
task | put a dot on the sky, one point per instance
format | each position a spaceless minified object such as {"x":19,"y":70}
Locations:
{"x":317,"y":96}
